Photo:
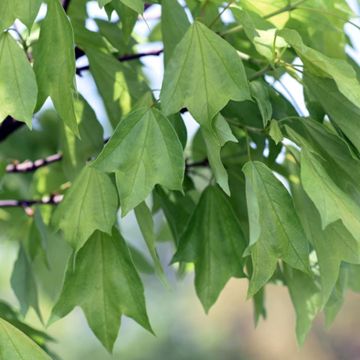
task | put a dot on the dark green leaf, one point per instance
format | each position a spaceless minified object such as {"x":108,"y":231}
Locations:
{"x":214,"y":242}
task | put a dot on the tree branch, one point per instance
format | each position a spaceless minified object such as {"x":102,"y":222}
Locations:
{"x":66,"y":4}
{"x":202,"y":163}
{"x":45,"y":200}
{"x":128,"y":57}
{"x":30,"y":166}
{"x":8,"y":126}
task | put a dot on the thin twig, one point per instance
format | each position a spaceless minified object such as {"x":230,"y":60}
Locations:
{"x":128,"y":57}
{"x":202,"y":163}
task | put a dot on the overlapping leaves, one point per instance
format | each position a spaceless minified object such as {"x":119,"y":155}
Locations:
{"x":292,"y":216}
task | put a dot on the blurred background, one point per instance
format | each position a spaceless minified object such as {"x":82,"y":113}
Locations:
{"x":182,"y":329}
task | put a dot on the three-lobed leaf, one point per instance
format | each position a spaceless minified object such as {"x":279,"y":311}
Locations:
{"x":105,"y":284}
{"x":143,"y":151}
{"x":214,"y":242}
{"x":203,"y":74}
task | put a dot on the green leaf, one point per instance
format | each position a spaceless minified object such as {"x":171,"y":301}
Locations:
{"x":343,"y":167}
{"x":38,"y":239}
{"x":275,"y":132}
{"x":136,"y":5}
{"x":75,"y":151}
{"x":259,"y":306}
{"x":174,"y":24}
{"x":103,"y":2}
{"x":144,"y":151}
{"x":104,"y":279}
{"x":24,"y":284}
{"x":321,"y":65}
{"x":177,"y":209}
{"x":119,"y":84}
{"x":337,"y":297}
{"x":260,"y":93}
{"x":55,"y":64}
{"x":275,"y":229}
{"x":215,"y":138}
{"x":206,"y":65}
{"x":333,"y":245}
{"x":306,"y":297}
{"x":15,"y":9}
{"x":266,"y":7}
{"x":260,"y":32}
{"x":90,"y":204}
{"x":7,"y":313}
{"x":214,"y":242}
{"x":342,"y":111}
{"x":332,"y":203}
{"x":127,"y":16}
{"x":18,"y":90}
{"x":15,"y":345}
{"x":146,"y":224}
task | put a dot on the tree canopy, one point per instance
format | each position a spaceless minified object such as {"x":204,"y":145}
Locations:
{"x":266,"y":190}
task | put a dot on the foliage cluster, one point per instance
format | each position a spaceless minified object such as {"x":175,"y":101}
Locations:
{"x":261,"y":192}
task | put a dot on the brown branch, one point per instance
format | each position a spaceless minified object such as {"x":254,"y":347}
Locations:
{"x":202,"y":163}
{"x":45,"y":200}
{"x":27,"y":166}
{"x":30,"y":166}
{"x":128,"y":57}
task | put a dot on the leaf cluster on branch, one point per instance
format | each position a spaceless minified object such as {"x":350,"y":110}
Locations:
{"x":264,"y":191}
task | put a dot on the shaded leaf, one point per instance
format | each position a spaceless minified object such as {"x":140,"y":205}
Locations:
{"x":75,"y":151}
{"x":214,"y":242}
{"x":215,"y":138}
{"x":146,"y":224}
{"x":341,"y":110}
{"x":119,"y":84}
{"x":306,"y":297}
{"x":24,"y":284}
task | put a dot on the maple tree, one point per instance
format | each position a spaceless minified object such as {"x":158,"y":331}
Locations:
{"x":262,"y":191}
